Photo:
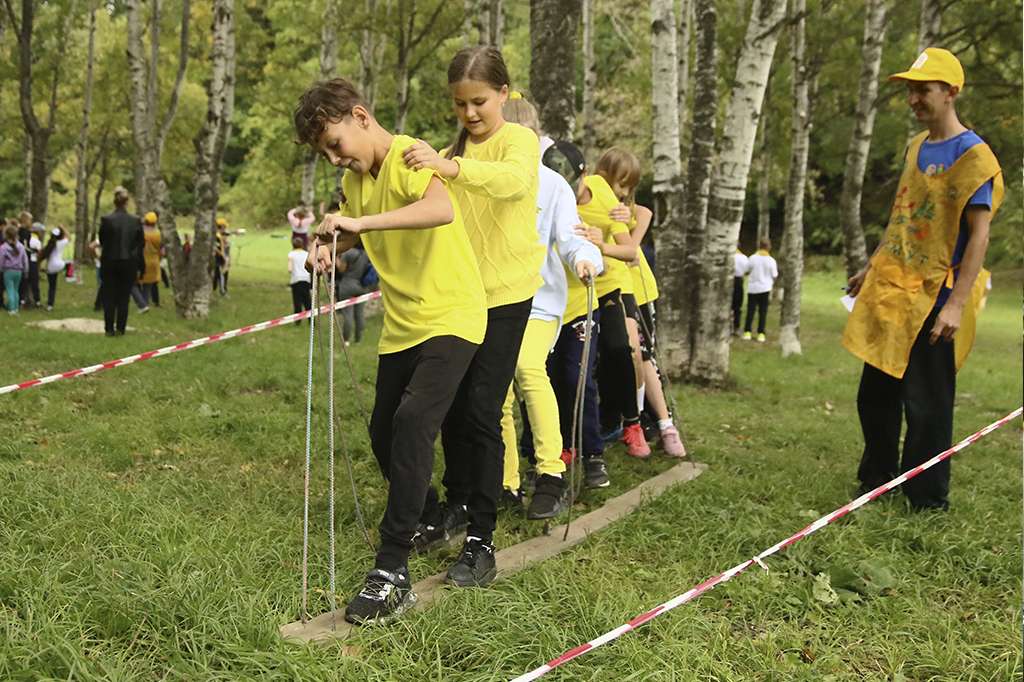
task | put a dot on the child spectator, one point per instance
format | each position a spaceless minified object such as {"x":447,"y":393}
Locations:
{"x":299,"y":279}
{"x":352,"y":268}
{"x":14,"y":266}
{"x":763,"y":271}
{"x":53,"y":255}
{"x":300,"y":218}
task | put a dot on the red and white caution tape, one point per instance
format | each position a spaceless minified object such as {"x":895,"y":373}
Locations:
{"x":205,"y":341}
{"x":708,"y":584}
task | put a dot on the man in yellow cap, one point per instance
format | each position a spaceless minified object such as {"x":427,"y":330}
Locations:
{"x":917,"y":299}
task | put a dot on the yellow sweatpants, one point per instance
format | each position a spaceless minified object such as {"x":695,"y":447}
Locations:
{"x":534,"y":387}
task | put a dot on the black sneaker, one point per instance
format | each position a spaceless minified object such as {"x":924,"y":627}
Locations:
{"x":451,"y":521}
{"x":547,"y":498}
{"x":384,"y":596}
{"x":595,"y":473}
{"x":475,"y":565}
{"x":513,"y":500}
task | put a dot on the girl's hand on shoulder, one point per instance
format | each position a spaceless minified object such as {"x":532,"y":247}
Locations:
{"x":621,"y":214}
{"x":421,"y":155}
{"x":591,"y":234}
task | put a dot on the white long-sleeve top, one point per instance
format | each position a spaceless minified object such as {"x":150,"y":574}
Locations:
{"x":556,"y":223}
{"x":763,"y":271}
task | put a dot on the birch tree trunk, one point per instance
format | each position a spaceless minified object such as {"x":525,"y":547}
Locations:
{"x":930,"y":24}
{"x":367,"y":54}
{"x":141,"y":131}
{"x":854,"y":248}
{"x":589,"y":84}
{"x":679,"y":264}
{"x":792,"y":252}
{"x":328,"y":66}
{"x":665,"y":100}
{"x":683,"y":73}
{"x":496,"y":23}
{"x":192,"y":298}
{"x":81,"y":169}
{"x":26,"y":193}
{"x":553,"y":29}
{"x":764,"y":171}
{"x":728,"y":187}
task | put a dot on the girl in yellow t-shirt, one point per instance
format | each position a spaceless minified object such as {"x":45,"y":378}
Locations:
{"x":434,"y":310}
{"x":492,"y":167}
{"x":645,"y":289}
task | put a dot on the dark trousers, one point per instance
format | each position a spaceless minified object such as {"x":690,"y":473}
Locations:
{"x":925,"y":396}
{"x":30,"y":285}
{"x":737,"y":302}
{"x":473,"y":449}
{"x":118,"y":280}
{"x":760,"y":303}
{"x":353,"y":318}
{"x":616,"y":378}
{"x":51,"y":287}
{"x":301,"y":298}
{"x":415,"y":389}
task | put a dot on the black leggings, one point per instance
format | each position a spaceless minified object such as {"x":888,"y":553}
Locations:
{"x":415,"y":389}
{"x":51,"y":287}
{"x":301,"y":298}
{"x":760,"y":302}
{"x":616,"y":378}
{"x":471,"y":435}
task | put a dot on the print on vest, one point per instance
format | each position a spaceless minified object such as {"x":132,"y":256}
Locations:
{"x":915,"y":223}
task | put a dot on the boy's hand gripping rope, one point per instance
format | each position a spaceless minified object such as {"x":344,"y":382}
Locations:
{"x":576,"y":434}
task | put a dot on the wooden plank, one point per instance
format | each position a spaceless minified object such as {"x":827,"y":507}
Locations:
{"x":511,"y":560}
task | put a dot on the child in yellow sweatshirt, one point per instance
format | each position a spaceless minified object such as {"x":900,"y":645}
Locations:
{"x":492,"y":168}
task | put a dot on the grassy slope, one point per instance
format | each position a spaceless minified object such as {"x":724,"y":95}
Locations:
{"x":150,"y":517}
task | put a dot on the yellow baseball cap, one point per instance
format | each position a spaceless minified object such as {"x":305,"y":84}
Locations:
{"x":149,"y":218}
{"x":934,"y":64}
{"x":221,"y":222}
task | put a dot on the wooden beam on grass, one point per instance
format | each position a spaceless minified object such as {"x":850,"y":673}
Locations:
{"x":332,"y":626}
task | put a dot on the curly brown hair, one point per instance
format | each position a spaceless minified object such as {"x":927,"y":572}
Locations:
{"x":324,"y":102}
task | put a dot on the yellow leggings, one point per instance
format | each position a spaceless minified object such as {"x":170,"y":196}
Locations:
{"x":533,"y":386}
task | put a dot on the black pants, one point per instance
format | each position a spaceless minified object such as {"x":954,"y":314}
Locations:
{"x":30,"y":285}
{"x":118,"y":279}
{"x":473,"y":449}
{"x":737,"y":302}
{"x":616,"y":377}
{"x":925,"y":395}
{"x":51,"y":287}
{"x":301,"y":298}
{"x":415,"y":389}
{"x":760,"y":302}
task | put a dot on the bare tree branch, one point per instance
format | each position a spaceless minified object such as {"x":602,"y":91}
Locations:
{"x":172,"y":108}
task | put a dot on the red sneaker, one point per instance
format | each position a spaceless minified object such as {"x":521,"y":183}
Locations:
{"x":567,"y":458}
{"x":636,"y":444}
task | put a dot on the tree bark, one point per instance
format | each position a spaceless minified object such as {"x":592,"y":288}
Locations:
{"x":192,"y":298}
{"x":792,"y":252}
{"x":764,"y":171}
{"x":729,"y":182}
{"x":26,"y":193}
{"x":553,"y":30}
{"x":679,"y":250}
{"x":589,"y":84}
{"x":328,"y":67}
{"x":854,"y":248}
{"x":496,"y":23}
{"x":665,"y":96}
{"x":141,"y":132}
{"x":81,"y":169}
{"x":930,"y":24}
{"x":683,"y":73}
{"x":367,"y":55}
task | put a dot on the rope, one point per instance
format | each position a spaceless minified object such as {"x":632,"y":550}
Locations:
{"x":330,"y":433}
{"x":576,"y":433}
{"x":305,"y":485}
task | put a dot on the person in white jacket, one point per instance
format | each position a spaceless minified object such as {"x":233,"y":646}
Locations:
{"x":556,"y":222}
{"x":762,"y":272}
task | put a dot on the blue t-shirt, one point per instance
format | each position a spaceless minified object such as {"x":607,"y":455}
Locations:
{"x":938,"y":157}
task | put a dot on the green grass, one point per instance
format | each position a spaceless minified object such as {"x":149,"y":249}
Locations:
{"x":150,"y":521}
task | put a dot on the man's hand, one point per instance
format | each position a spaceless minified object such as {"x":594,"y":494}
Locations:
{"x":621,"y":213}
{"x":422,"y":155}
{"x":854,"y":284}
{"x":586,"y":271}
{"x":947,"y":322}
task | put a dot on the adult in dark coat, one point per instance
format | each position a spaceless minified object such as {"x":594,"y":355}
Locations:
{"x":121,"y":261}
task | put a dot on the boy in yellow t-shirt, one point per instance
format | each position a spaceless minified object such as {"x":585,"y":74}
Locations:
{"x":434,"y":311}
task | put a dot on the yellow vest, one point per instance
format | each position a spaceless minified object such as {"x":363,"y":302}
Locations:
{"x":914,"y":261}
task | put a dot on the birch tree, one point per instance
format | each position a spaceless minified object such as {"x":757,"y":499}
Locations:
{"x":369,"y":55}
{"x":664,"y":65}
{"x":854,"y":249}
{"x":589,"y":84}
{"x":683,"y":74}
{"x":553,"y":29}
{"x":679,"y":262}
{"x":929,"y":24}
{"x":192,"y":291}
{"x":328,"y":67}
{"x":729,"y":182}
{"x":764,"y":171}
{"x":81,"y":167}
{"x":792,"y":251}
